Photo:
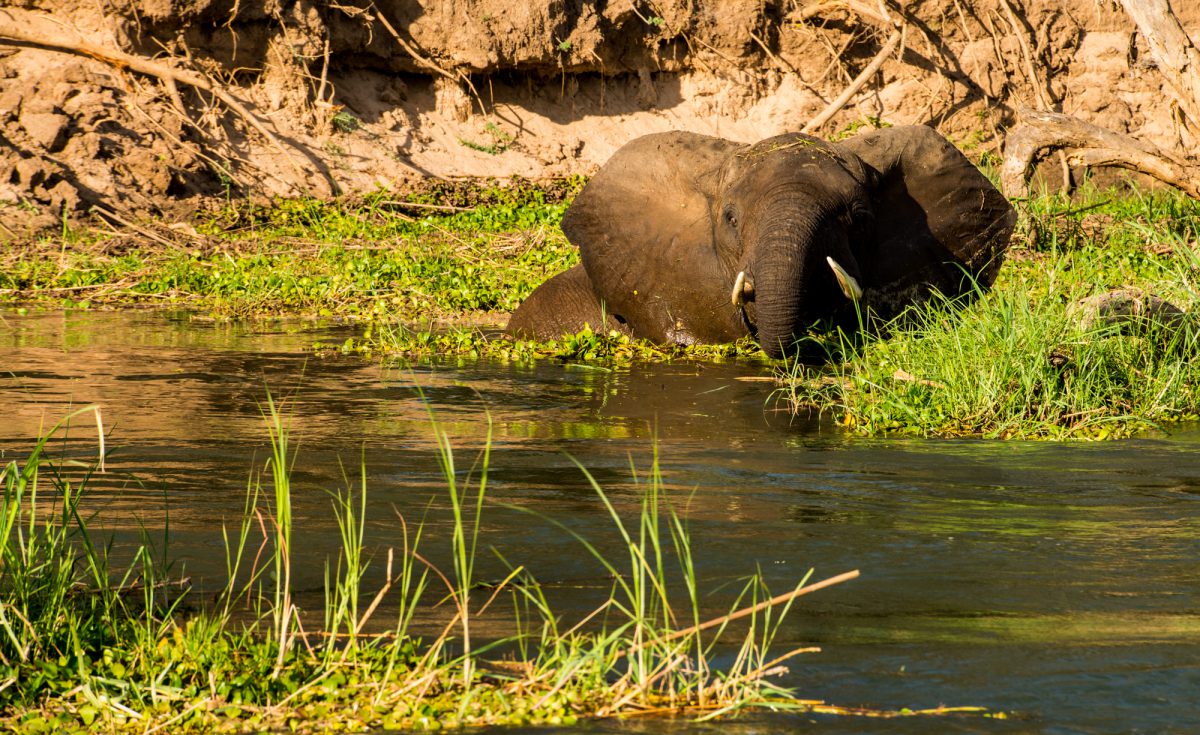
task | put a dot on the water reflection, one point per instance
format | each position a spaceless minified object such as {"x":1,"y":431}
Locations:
{"x":1054,"y":580}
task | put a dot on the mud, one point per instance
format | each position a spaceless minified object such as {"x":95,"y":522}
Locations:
{"x":364,"y":95}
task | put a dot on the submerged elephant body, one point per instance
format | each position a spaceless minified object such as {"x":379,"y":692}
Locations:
{"x":688,"y":238}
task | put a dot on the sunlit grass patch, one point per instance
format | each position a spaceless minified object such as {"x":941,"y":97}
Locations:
{"x":366,"y":258}
{"x":1021,"y":362}
{"x":1010,"y":367}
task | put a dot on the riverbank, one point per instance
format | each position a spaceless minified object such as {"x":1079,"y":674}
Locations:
{"x":437,"y":272}
{"x":445,"y":252}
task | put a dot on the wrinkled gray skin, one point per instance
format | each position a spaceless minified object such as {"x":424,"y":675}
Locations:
{"x":666,"y":226}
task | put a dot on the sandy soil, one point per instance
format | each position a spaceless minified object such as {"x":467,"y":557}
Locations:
{"x":364,"y":95}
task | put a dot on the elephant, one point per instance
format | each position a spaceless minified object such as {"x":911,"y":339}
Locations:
{"x":687,"y":238}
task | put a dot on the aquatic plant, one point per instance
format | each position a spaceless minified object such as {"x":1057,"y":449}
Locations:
{"x":84,"y":646}
{"x":373,"y":257}
{"x":393,"y":340}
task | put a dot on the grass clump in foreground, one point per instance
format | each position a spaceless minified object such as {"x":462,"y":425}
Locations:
{"x":1022,"y":362}
{"x":84,"y":646}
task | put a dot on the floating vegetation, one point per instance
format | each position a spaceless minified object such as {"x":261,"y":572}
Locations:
{"x":584,"y":346}
{"x":445,"y":252}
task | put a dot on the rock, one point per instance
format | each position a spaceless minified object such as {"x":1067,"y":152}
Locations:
{"x":48,"y":129}
{"x":1129,"y":308}
{"x":10,"y":102}
{"x":30,"y":172}
{"x":63,"y":196}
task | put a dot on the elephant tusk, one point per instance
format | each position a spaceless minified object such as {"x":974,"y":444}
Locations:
{"x":849,"y":286}
{"x":743,"y":290}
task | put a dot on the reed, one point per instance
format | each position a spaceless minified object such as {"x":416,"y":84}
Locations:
{"x":84,"y":645}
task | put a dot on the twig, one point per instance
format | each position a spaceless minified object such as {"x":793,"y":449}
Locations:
{"x":421,"y":205}
{"x":778,"y":599}
{"x":136,"y":586}
{"x":811,"y":11}
{"x":763,"y":45}
{"x":425,"y":62}
{"x":114,"y":217}
{"x":835,"y":56}
{"x":324,"y":74}
{"x":219,"y":166}
{"x":834,"y":107}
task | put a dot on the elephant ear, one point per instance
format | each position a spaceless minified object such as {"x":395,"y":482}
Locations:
{"x":932,"y":207}
{"x":645,"y":235}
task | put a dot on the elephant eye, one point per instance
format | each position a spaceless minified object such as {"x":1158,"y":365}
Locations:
{"x":731,"y":217}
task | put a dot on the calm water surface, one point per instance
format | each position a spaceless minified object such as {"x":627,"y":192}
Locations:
{"x":1057,"y":582}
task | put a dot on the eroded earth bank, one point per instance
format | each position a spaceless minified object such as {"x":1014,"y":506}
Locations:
{"x":155,"y":106}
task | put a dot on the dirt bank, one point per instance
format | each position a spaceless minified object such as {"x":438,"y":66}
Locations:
{"x":359,"y":95}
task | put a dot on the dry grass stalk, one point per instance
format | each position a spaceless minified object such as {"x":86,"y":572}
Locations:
{"x":747,"y":611}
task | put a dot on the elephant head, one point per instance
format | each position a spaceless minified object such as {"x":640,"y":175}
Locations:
{"x":689,"y":238}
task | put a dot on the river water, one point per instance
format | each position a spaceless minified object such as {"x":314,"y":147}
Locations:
{"x":1055,"y":582}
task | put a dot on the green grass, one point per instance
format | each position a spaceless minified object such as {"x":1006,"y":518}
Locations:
{"x":371,"y":257}
{"x":1020,"y":363}
{"x":85,"y":646}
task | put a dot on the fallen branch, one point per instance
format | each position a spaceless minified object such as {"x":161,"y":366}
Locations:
{"x":1087,"y":145}
{"x":12,"y":33}
{"x":835,"y":106}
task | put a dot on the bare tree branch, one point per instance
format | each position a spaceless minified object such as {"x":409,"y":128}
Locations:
{"x":833,"y":107}
{"x":1040,"y":132}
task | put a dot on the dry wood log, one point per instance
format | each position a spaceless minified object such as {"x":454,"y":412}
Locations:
{"x":22,"y":28}
{"x":1131,"y":310}
{"x":1040,"y":132}
{"x":1177,"y":57}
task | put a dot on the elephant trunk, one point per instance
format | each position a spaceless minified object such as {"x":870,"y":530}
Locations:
{"x":794,"y":284}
